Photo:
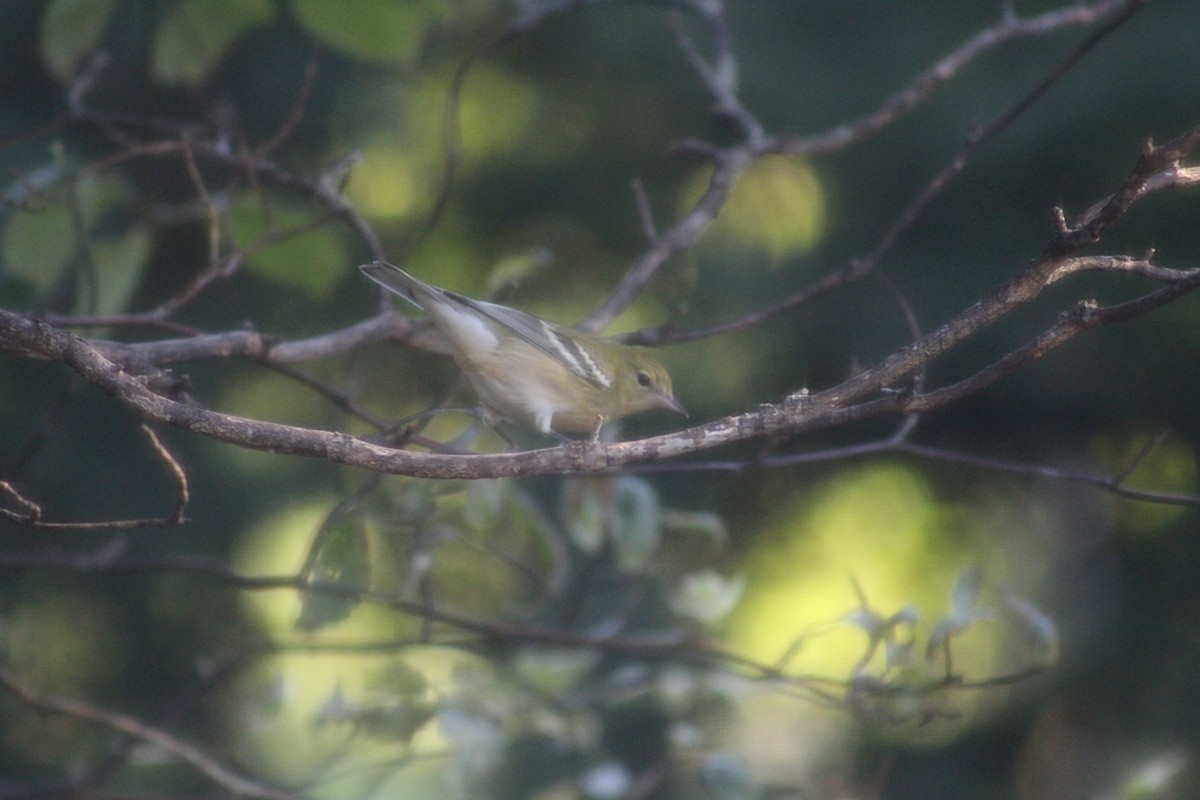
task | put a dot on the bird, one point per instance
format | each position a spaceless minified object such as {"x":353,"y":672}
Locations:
{"x":529,"y":370}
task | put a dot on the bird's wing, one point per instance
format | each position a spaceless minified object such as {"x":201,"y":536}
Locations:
{"x":554,"y":340}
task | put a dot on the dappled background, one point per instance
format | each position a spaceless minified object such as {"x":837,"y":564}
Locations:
{"x":554,"y":124}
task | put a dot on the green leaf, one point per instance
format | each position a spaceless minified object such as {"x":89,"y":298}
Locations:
{"x":397,"y":718}
{"x":312,"y":262}
{"x":398,"y":722}
{"x":70,"y":30}
{"x":636,"y":522}
{"x":120,"y":264}
{"x":38,"y":245}
{"x":585,"y":514}
{"x":196,"y":34}
{"x":376,"y":30}
{"x":336,"y":708}
{"x":339,"y":556}
{"x":41,"y":242}
{"x":777,"y":208}
{"x":515,"y":269}
{"x":97,"y":196}
{"x":398,"y":679}
{"x":552,"y":672}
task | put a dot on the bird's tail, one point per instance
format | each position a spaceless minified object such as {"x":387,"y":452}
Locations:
{"x":400,"y":282}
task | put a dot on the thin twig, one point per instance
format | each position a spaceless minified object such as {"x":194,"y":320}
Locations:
{"x":1010,"y":28}
{"x":986,"y":133}
{"x":210,"y":209}
{"x":900,"y":103}
{"x":33,"y":516}
{"x":176,"y":470}
{"x":296,"y":112}
{"x":217,"y":772}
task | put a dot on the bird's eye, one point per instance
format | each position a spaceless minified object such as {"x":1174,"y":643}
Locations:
{"x":643,"y":379}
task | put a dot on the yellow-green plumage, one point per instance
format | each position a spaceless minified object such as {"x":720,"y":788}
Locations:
{"x":531,"y":370}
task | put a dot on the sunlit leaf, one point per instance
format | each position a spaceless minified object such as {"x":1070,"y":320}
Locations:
{"x":776,"y":208}
{"x":707,"y":596}
{"x":495,"y":112}
{"x":196,"y":34}
{"x":336,"y":708}
{"x":552,"y":671}
{"x":401,"y":171}
{"x":70,"y":30}
{"x":392,"y":181}
{"x":884,"y":526}
{"x":398,"y":679}
{"x":268,"y":699}
{"x":375,"y":30}
{"x":395,"y":717}
{"x":397,"y":721}
{"x":339,"y":558}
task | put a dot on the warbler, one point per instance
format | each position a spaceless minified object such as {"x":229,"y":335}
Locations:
{"x":527,"y":369}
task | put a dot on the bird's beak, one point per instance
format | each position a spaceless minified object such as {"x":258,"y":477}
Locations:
{"x":671,"y":404}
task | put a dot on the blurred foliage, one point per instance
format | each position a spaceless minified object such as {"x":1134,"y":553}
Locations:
{"x":882,"y":525}
{"x":70,"y":30}
{"x":194,"y":35}
{"x":285,"y":250}
{"x":776,"y":209}
{"x":369,"y":29}
{"x":856,"y":578}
